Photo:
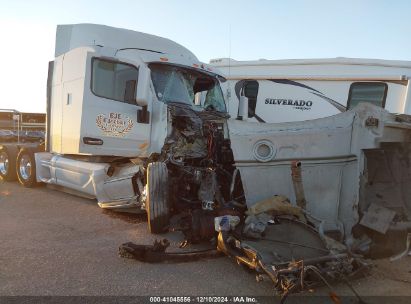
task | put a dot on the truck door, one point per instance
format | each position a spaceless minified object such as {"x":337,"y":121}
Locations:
{"x":113,"y":126}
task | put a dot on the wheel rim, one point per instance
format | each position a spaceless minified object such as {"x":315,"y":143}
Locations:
{"x":4,"y":163}
{"x":25,"y":167}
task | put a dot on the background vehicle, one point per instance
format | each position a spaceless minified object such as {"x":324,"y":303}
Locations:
{"x":21,"y":127}
{"x":7,"y":136}
{"x":304,"y":89}
{"x":34,"y":136}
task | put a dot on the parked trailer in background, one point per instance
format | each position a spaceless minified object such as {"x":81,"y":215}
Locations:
{"x":18,"y":131}
{"x":304,"y":89}
{"x":11,"y":119}
{"x":21,"y":127}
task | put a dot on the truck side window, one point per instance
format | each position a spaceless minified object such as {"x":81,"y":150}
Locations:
{"x":372,"y":92}
{"x":251,"y":92}
{"x":114,"y":80}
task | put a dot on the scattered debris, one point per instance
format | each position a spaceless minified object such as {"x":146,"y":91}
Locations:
{"x":378,"y":218}
{"x":292,"y":255}
{"x":201,"y":225}
{"x":226,"y":222}
{"x":276,"y":205}
{"x":156,"y":253}
{"x":282,"y":249}
{"x":255,"y":225}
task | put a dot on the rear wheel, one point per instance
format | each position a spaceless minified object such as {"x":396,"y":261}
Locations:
{"x":157,"y":205}
{"x":8,"y":163}
{"x":26,"y":168}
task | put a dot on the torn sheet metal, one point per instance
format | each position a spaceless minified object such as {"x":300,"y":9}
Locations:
{"x":387,"y":176}
{"x":331,"y":152}
{"x":291,"y":255}
{"x":377,"y":218}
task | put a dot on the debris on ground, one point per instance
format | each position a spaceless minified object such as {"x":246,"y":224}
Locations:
{"x":292,"y":255}
{"x":156,"y":253}
{"x":377,"y":218}
{"x":274,"y":239}
{"x":276,"y":205}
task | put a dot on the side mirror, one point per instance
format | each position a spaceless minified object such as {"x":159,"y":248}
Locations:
{"x":243,"y":108}
{"x":143,"y":86}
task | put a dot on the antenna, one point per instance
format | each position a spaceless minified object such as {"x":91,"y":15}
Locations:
{"x":229,"y":68}
{"x":229,"y":50}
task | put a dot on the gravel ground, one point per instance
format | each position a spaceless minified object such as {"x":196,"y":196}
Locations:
{"x":53,"y":243}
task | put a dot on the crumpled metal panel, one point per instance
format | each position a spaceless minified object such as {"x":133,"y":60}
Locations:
{"x":330,"y":150}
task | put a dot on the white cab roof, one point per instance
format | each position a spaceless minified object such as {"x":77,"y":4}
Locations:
{"x":71,"y":36}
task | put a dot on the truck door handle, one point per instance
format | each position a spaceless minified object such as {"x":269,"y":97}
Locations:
{"x":92,"y":141}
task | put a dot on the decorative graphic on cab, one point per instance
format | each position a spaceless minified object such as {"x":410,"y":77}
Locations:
{"x":114,"y":124}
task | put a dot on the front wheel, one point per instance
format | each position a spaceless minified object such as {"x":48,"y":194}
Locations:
{"x":26,"y":168}
{"x":157,"y":205}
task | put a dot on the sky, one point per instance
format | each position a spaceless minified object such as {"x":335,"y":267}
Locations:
{"x":242,"y":30}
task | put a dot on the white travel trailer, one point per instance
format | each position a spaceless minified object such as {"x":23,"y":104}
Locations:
{"x":297,"y":90}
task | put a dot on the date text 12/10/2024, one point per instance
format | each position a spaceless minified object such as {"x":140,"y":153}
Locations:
{"x":203,"y":299}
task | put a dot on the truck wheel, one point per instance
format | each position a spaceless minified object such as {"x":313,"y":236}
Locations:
{"x":8,"y":163}
{"x":157,"y":205}
{"x":26,"y":168}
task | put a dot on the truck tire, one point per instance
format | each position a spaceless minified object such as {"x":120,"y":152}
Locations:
{"x":157,"y":204}
{"x":26,"y":168}
{"x":8,"y":156}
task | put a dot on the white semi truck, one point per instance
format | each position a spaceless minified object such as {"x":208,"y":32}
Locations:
{"x":122,"y":126}
{"x":137,"y":122}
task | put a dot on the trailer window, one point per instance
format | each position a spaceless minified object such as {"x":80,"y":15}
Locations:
{"x":372,"y":92}
{"x":114,"y":80}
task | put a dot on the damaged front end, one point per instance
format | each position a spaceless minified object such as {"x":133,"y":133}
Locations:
{"x":200,"y":169}
{"x":283,"y":199}
{"x":273,"y":237}
{"x":231,"y":180}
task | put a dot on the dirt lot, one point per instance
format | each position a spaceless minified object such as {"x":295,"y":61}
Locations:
{"x":53,"y":243}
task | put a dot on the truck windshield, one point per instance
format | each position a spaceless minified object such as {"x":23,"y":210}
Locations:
{"x":188,"y":86}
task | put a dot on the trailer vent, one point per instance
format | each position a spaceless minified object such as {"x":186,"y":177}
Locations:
{"x":264,"y":150}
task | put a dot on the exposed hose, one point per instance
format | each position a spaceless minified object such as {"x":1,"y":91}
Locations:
{"x":298,"y":183}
